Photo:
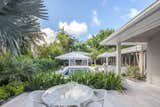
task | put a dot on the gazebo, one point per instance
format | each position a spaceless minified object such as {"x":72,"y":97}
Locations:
{"x":76,"y":60}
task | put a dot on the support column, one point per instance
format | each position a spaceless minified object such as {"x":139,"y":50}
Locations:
{"x":141,"y":63}
{"x":118,"y":59}
{"x":129,"y":63}
{"x":69,"y":64}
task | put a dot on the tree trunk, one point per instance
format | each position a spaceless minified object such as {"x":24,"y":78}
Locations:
{"x":95,"y":61}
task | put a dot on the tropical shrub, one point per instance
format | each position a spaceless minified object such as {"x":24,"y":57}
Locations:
{"x":109,"y":81}
{"x":45,"y":80}
{"x":11,"y":89}
{"x":3,"y":93}
{"x":12,"y":68}
{"x":46,"y":64}
{"x":132,"y":71}
{"x":93,"y":65}
{"x":113,"y":82}
{"x":15,"y":88}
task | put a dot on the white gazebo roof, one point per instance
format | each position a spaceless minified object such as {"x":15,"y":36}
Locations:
{"x":106,"y":54}
{"x":74,"y":55}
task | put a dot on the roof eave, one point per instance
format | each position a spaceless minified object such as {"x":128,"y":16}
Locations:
{"x":141,"y":15}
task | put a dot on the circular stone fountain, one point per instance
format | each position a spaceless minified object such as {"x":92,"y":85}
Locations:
{"x":67,"y":94}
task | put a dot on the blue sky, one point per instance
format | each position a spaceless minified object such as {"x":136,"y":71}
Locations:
{"x":83,"y":18}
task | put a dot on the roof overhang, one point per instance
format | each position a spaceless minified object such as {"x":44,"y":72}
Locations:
{"x":133,"y":49}
{"x":139,"y":29}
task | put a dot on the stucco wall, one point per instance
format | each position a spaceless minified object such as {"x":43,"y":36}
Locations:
{"x":153,"y":60}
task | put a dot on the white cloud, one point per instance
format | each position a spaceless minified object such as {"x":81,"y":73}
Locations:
{"x":116,"y":8}
{"x":131,"y":14}
{"x":50,"y":36}
{"x":74,"y":28}
{"x":95,"y":19}
{"x":89,"y":36}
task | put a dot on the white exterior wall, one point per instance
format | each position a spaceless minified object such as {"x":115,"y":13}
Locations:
{"x":153,"y":60}
{"x":113,"y":68}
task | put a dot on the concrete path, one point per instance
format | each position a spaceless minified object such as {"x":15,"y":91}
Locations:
{"x":137,"y":95}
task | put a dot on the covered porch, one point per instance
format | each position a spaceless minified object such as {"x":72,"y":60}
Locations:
{"x":131,"y":56}
{"x":144,"y":28}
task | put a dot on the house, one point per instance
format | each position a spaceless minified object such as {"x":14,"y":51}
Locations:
{"x":144,"y":28}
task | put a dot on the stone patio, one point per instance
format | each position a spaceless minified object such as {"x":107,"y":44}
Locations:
{"x":139,"y":94}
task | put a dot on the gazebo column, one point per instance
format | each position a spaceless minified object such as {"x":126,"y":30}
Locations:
{"x":106,"y":60}
{"x":87,"y":62}
{"x":69,"y":64}
{"x":118,"y":61}
{"x":134,"y":59}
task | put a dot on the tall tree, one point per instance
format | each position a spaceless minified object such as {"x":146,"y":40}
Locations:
{"x":66,"y":41}
{"x":94,"y":43}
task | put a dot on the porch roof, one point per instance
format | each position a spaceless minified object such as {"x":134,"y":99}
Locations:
{"x":140,"y":29}
{"x":132,"y":49}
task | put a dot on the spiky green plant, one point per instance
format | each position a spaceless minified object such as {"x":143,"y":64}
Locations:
{"x":45,"y":80}
{"x":18,"y":19}
{"x":109,"y":81}
{"x":12,"y":68}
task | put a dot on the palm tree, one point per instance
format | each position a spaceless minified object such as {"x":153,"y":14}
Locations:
{"x":19,"y":19}
{"x":94,"y":55}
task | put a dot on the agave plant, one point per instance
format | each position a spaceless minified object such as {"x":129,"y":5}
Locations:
{"x":18,"y":18}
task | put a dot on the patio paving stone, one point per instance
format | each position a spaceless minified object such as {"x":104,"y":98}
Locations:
{"x":139,"y":94}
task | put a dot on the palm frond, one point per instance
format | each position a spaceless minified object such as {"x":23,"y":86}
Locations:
{"x":18,"y":19}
